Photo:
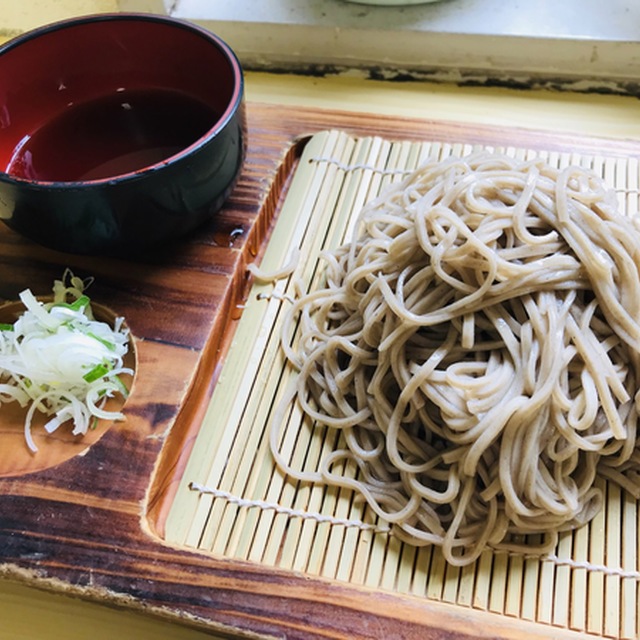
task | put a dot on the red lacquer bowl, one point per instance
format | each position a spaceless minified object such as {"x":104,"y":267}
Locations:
{"x":118,"y":132}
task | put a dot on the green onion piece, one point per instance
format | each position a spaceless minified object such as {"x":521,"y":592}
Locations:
{"x":82,"y":301}
{"x":76,"y":305}
{"x":96,"y":373}
{"x":122,"y":387}
{"x":6,"y":327}
{"x":106,"y":343}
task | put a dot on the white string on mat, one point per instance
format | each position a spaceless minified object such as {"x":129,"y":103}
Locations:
{"x":275,"y":295}
{"x":272,"y":506}
{"x":394,"y":172}
{"x":361,"y":166}
{"x":600,"y":568}
{"x":319,"y":517}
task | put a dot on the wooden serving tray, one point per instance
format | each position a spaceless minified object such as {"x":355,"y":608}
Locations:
{"x":92,"y":523}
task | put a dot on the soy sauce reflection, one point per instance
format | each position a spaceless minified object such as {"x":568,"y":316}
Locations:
{"x":119,"y":133}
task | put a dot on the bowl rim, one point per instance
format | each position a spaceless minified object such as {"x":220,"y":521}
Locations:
{"x":233,"y":105}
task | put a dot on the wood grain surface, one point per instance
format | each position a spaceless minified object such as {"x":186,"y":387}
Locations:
{"x":92,"y":525}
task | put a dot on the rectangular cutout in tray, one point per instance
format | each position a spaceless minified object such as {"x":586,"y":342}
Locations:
{"x":245,"y":511}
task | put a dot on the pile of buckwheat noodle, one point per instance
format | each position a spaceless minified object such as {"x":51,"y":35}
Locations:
{"x":477,"y":345}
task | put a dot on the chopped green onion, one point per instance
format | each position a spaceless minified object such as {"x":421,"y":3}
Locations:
{"x":99,"y":371}
{"x":106,"y":343}
{"x":82,"y":302}
{"x":48,"y":357}
{"x":122,"y":387}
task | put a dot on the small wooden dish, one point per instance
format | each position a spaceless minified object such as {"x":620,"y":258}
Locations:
{"x":16,"y":458}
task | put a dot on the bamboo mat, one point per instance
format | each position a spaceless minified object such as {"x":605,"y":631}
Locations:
{"x":233,"y":503}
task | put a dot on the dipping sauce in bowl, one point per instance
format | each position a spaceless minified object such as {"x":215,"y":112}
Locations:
{"x":112,"y":135}
{"x":118,"y":132}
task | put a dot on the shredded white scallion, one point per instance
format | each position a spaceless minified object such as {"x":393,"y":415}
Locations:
{"x":57,"y":359}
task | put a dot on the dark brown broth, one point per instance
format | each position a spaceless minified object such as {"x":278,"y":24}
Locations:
{"x":119,"y":133}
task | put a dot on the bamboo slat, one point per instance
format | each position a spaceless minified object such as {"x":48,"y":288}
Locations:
{"x":234,"y":503}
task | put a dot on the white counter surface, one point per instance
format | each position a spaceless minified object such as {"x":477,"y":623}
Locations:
{"x":568,"y":44}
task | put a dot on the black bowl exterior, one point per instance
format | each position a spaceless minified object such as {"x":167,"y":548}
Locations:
{"x":136,"y":213}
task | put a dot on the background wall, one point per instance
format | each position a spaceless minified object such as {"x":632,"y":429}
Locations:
{"x":16,"y":17}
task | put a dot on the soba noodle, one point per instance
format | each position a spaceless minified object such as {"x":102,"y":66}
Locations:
{"x":477,"y":345}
